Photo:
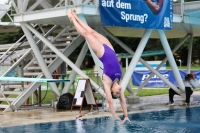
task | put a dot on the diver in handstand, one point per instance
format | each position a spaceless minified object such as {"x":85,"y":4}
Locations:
{"x":105,"y":52}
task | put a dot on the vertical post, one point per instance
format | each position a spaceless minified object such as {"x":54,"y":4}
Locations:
{"x":103,"y":100}
{"x":135,"y":58}
{"x":39,"y":95}
{"x":39,"y":57}
{"x":25,"y":4}
{"x":20,"y":5}
{"x":126,"y":63}
{"x":180,"y":62}
{"x":78,"y":64}
{"x":15,"y":6}
{"x":32,"y":99}
{"x":66,"y":3}
{"x":63,"y":74}
{"x":189,"y":54}
{"x":22,"y":72}
{"x":182,"y":9}
{"x":97,"y":78}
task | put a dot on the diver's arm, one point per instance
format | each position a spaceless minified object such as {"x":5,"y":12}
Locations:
{"x":124,"y":108}
{"x":107,"y":87}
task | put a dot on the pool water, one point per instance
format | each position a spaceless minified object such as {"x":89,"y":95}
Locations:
{"x":169,"y":121}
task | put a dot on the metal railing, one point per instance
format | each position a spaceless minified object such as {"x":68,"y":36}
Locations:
{"x":35,"y":5}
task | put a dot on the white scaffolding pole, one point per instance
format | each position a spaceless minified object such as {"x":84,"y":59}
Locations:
{"x":171,"y":59}
{"x":189,"y":54}
{"x":141,"y":60}
{"x":64,"y":58}
{"x":78,"y":64}
{"x":39,"y":58}
{"x":152,"y":74}
{"x":135,"y":58}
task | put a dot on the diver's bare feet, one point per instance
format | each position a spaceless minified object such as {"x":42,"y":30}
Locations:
{"x":70,"y":16}
{"x":73,"y":11}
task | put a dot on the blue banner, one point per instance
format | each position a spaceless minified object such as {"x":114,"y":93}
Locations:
{"x":152,"y":14}
{"x":139,"y":77}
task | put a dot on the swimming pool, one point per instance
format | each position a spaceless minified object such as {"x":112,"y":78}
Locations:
{"x":185,"y":120}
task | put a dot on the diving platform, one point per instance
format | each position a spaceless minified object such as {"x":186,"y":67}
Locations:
{"x":189,"y":22}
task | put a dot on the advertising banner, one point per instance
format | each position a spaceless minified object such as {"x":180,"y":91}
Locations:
{"x":138,"y":77}
{"x":148,"y":14}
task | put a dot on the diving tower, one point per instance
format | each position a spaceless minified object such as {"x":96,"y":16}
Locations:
{"x":42,"y":13}
{"x":183,"y":23}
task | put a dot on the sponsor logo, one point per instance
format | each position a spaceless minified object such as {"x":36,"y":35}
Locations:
{"x":155,"y":78}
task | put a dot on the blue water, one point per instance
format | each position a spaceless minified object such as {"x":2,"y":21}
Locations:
{"x":169,"y":121}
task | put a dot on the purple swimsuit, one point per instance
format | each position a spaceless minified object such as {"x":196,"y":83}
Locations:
{"x":111,"y":65}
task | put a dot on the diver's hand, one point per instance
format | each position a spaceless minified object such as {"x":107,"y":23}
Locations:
{"x":125,"y":119}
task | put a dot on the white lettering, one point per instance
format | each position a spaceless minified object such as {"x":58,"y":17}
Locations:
{"x":166,"y":76}
{"x":133,"y":17}
{"x":154,"y":77}
{"x":123,"y":15}
{"x":109,"y":3}
{"x":145,"y":76}
{"x":103,"y":3}
{"x":141,"y":19}
{"x":123,"y":5}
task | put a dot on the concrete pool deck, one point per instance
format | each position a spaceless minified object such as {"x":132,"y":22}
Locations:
{"x":46,"y":113}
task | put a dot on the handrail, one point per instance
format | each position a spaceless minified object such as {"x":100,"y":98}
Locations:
{"x":12,"y":47}
{"x":28,"y":51}
{"x":12,"y":51}
{"x":66,"y":3}
{"x":8,"y":50}
{"x":182,"y":10}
